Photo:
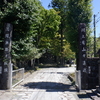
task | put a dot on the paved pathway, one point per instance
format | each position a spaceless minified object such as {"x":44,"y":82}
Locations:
{"x":46,"y":84}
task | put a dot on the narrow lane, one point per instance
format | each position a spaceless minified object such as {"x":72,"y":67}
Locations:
{"x":47,"y":84}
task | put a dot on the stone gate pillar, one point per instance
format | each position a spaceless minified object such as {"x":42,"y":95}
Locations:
{"x":6,"y":56}
{"x":82,"y":55}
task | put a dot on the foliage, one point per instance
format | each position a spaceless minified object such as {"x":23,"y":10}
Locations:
{"x":48,"y":27}
{"x":79,"y":11}
{"x":90,"y":47}
{"x":68,"y":52}
{"x":61,"y":7}
{"x":24,"y":15}
{"x":73,"y":12}
{"x":37,"y":29}
{"x":34,"y":27}
{"x":97,"y":44}
{"x":56,"y":45}
{"x":25,"y":50}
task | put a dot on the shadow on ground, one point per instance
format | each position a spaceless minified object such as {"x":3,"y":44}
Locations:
{"x":83,"y":96}
{"x":50,"y":86}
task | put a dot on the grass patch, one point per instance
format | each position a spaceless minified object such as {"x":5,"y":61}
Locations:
{"x":72,"y":78}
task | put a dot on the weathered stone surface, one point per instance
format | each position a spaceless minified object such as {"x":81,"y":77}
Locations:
{"x":45,"y":84}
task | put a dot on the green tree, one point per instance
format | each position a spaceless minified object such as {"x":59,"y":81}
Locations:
{"x":97,"y":44}
{"x":24,"y":15}
{"x":61,"y":7}
{"x":79,"y":11}
{"x":47,"y":27}
{"x":56,"y":45}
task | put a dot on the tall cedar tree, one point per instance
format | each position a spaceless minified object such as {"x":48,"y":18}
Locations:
{"x":79,"y":11}
{"x":61,"y":7}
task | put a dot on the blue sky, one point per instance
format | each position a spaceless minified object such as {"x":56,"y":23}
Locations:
{"x":96,"y":11}
{"x":45,"y":3}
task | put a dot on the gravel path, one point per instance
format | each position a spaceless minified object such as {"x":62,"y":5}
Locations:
{"x":46,"y":84}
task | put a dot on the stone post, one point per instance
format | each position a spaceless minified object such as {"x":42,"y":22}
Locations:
{"x":6,"y":56}
{"x":98,"y":87}
{"x":82,"y":65}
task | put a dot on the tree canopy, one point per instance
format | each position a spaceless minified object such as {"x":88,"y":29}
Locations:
{"x":34,"y":27}
{"x":37,"y":30}
{"x":79,"y":11}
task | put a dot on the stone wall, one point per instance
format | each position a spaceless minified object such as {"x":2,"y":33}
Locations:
{"x":93,"y":72}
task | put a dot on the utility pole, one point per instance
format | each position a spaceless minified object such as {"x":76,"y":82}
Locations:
{"x":94,"y":37}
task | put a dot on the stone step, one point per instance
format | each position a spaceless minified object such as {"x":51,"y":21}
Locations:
{"x":92,"y":95}
{"x":83,"y":95}
{"x":96,"y":92}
